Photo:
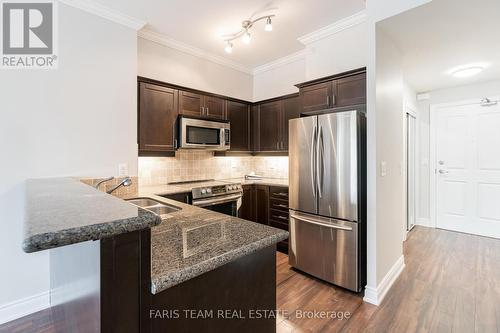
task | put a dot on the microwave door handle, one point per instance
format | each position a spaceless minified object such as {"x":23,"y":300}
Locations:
{"x":222,"y":140}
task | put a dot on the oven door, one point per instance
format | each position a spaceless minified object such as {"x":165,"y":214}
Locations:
{"x":202,"y":134}
{"x":229,"y":205}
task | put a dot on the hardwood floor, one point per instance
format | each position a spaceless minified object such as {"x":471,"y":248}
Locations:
{"x":451,"y":283}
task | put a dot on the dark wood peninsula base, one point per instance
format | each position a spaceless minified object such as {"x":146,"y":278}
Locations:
{"x":239,"y":296}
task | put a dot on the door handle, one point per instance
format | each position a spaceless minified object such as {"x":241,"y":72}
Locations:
{"x":313,"y":161}
{"x":443,"y":172}
{"x":322,"y":224}
{"x":319,"y":163}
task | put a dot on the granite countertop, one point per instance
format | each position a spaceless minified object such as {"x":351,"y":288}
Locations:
{"x":194,"y":240}
{"x":63,"y":211}
{"x":169,"y":189}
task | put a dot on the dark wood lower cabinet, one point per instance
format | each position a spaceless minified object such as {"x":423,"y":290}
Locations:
{"x":223,"y":300}
{"x":267,"y":205}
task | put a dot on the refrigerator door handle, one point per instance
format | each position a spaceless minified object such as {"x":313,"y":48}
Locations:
{"x":320,"y":160}
{"x":327,"y":225}
{"x":313,"y":161}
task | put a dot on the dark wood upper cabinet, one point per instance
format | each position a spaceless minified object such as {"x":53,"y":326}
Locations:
{"x":270,"y":126}
{"x":190,"y":104}
{"x":351,"y":90}
{"x":157,"y":115}
{"x":317,"y":97}
{"x":291,"y":110}
{"x":238,"y":115}
{"x":215,"y":107}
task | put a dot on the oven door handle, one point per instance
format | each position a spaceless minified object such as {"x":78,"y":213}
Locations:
{"x":209,"y":202}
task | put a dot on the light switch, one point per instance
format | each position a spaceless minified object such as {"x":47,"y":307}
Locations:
{"x":123,"y":170}
{"x":383,"y":169}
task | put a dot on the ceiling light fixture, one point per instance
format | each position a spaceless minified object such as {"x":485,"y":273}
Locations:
{"x":229,"y":47}
{"x":269,"y":26}
{"x":467,"y":70}
{"x":244,"y":33}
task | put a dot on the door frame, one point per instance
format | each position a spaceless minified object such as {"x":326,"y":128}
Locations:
{"x":433,"y":112}
{"x":411,"y":109}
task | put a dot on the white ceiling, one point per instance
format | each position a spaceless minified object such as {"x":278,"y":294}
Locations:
{"x":445,"y":34}
{"x":201,"y":23}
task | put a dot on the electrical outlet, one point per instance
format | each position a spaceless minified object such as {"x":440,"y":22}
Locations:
{"x":123,"y":170}
{"x":383,"y":169}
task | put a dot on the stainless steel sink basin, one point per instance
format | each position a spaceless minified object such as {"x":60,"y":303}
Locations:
{"x":144,"y":202}
{"x":156,"y":207}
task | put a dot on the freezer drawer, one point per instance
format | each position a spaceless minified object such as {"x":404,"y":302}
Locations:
{"x":325,"y":248}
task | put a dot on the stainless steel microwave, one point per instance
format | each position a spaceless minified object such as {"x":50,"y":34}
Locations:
{"x":203,"y":134}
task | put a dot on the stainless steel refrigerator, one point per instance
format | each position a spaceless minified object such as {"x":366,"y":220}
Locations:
{"x":327,"y":171}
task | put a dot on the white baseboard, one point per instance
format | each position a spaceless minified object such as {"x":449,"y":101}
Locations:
{"x":425,"y":222}
{"x":24,"y":307}
{"x":376,"y":295}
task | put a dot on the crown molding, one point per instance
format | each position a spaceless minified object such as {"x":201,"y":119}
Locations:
{"x":334,"y":28}
{"x":293,"y":57}
{"x":106,"y":12}
{"x":180,"y":46}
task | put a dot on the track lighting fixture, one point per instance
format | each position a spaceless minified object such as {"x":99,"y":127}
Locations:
{"x":244,"y":33}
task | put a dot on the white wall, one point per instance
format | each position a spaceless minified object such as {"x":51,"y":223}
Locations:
{"x":78,"y":120}
{"x":337,"y":53}
{"x":474,"y":91}
{"x":166,"y":64}
{"x":279,"y":81}
{"x":390,"y":92}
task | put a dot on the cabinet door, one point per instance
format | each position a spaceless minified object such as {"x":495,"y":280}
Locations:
{"x":351,"y":90}
{"x":317,"y":97}
{"x":262,"y":204}
{"x":215,"y":108}
{"x":247,"y":203}
{"x":238,"y":115}
{"x":157,"y":116}
{"x":190,"y":104}
{"x":291,"y":110}
{"x":270,"y":124}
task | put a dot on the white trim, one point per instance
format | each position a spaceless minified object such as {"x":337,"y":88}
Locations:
{"x":424,"y":222}
{"x":433,"y":110}
{"x":409,"y":108}
{"x":23,"y":307}
{"x":334,"y":28}
{"x":194,"y":51}
{"x":299,"y":55}
{"x":105,"y":12}
{"x":376,"y":295}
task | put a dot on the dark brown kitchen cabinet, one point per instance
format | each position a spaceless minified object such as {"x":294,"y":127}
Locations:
{"x":339,"y":90}
{"x":272,"y":124}
{"x":156,"y":118}
{"x":197,"y":105}
{"x":262,"y":204}
{"x":215,"y":107}
{"x":269,"y":126}
{"x":191,"y":104}
{"x":318,"y":97}
{"x":351,"y":90}
{"x":247,"y":208}
{"x":238,"y":114}
{"x":291,"y":110}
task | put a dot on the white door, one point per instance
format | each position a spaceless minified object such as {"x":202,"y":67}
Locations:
{"x":410,"y":171}
{"x":468,"y":169}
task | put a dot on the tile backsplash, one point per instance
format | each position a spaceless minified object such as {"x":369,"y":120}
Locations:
{"x":198,"y":165}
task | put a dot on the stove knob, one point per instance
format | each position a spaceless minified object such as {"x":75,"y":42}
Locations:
{"x":203,"y":191}
{"x":209,"y":190}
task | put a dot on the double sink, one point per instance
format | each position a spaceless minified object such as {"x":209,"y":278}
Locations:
{"x":154,"y":206}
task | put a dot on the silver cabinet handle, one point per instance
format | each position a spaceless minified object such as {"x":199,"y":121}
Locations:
{"x":207,"y":110}
{"x":282,"y":218}
{"x":328,"y":225}
{"x":280,"y":205}
{"x":202,"y":109}
{"x":443,"y":172}
{"x":333,"y":99}
{"x":327,"y":100}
